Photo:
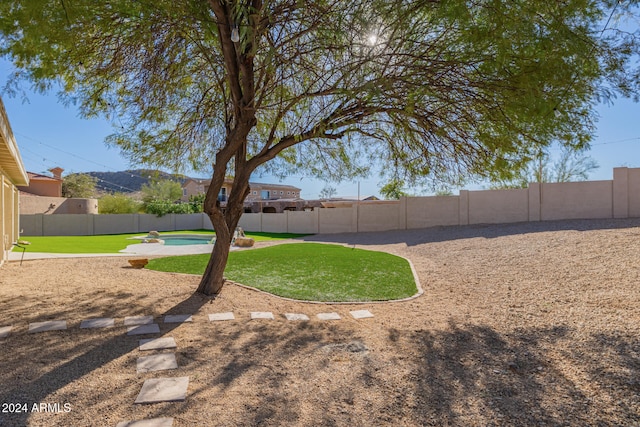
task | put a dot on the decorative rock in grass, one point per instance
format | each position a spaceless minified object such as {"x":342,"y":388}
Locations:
{"x":244,"y":242}
{"x":153,"y":234}
{"x":153,"y":241}
{"x":138,"y":263}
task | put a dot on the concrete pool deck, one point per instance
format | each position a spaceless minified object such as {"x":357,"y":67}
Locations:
{"x":139,"y":249}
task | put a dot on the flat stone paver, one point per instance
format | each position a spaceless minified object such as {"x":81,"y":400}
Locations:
{"x":5,"y":330}
{"x":163,"y":390}
{"x":216,"y":317}
{"x":137,"y":320}
{"x":100,"y":322}
{"x":178,"y":318}
{"x":157,"y":343}
{"x":262,"y":315}
{"x":51,"y":325}
{"x":143,"y":329}
{"x":296,"y":316}
{"x":151,"y":422}
{"x":156,"y":362}
{"x":361,"y":314}
{"x":329,"y":316}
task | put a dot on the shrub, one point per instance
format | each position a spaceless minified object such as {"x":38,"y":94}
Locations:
{"x":164,"y":207}
{"x":118,"y":203}
{"x":197,"y":203}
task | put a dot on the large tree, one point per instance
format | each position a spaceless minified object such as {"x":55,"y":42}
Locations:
{"x":80,"y":185}
{"x":436,"y":88}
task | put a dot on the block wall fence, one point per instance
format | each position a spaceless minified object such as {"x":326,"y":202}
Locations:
{"x":617,"y":198}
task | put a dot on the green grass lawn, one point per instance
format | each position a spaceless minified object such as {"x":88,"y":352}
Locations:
{"x":112,"y":243}
{"x":310,"y":271}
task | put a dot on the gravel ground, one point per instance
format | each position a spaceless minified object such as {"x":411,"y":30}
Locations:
{"x":519,"y":325}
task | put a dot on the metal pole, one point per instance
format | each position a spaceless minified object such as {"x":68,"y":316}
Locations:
{"x":358,"y":210}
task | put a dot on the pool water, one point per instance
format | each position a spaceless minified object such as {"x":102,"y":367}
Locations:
{"x":186,"y":240}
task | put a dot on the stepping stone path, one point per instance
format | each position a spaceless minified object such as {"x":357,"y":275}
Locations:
{"x":5,"y":330}
{"x":329,"y":316}
{"x":152,"y":328}
{"x":216,"y":317}
{"x":296,"y":316}
{"x":178,"y":318}
{"x":102,"y":322}
{"x":51,"y":325}
{"x":157,"y":344}
{"x":361,"y":314}
{"x":157,"y":362}
{"x":154,"y":422}
{"x":157,"y":390}
{"x":163,"y":390}
{"x":262,"y":315}
{"x":138,"y":320}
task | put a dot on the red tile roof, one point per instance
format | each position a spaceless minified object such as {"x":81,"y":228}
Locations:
{"x":38,"y":177}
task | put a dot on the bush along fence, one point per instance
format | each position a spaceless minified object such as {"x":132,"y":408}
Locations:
{"x":617,"y":198}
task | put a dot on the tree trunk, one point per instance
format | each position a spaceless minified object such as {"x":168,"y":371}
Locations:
{"x":224,"y":225}
{"x":213,"y":279}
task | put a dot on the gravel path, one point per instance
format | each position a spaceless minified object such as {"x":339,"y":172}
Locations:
{"x":523,"y":324}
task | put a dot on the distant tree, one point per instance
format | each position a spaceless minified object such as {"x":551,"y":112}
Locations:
{"x":424,"y":88}
{"x":327,"y":192}
{"x":573,"y":166}
{"x":79,"y":185}
{"x":118,"y":203}
{"x":570,"y":166}
{"x":163,"y":190}
{"x":444,"y":192}
{"x":392,"y":190}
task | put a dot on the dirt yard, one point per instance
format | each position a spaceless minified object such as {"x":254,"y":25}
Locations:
{"x":519,"y":325}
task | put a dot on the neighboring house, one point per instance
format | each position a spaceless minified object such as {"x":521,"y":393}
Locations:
{"x":268,"y":198}
{"x":12,"y":175}
{"x":258,"y":191}
{"x":348,"y":201}
{"x":193,"y":187}
{"x":43,"y":185}
{"x":43,"y":195}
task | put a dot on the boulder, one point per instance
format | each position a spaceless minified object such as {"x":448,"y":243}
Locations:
{"x":244,"y":242}
{"x":153,"y":234}
{"x":153,"y":241}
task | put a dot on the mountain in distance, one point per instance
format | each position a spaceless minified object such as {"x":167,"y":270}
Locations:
{"x":131,"y":180}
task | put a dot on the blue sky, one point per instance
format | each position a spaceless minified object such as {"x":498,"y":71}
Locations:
{"x":50,"y":134}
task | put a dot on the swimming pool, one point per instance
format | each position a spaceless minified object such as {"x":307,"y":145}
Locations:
{"x":179,"y":239}
{"x":185,"y":239}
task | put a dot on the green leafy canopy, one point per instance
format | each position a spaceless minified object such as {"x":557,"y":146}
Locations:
{"x":444,"y":89}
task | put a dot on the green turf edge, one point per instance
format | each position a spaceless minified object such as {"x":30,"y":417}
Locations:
{"x":114,"y":243}
{"x":313,"y":272}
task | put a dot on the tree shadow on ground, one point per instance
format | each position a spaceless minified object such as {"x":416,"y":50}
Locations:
{"x":38,"y":367}
{"x":540,"y":376}
{"x":487,"y":231}
{"x":312,"y":374}
{"x":356,"y":373}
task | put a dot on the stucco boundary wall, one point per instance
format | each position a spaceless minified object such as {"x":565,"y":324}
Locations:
{"x":56,"y":205}
{"x":94,"y":224}
{"x":617,"y":198}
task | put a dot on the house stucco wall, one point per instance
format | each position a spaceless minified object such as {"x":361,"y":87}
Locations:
{"x":12,"y":173}
{"x":46,"y":188}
